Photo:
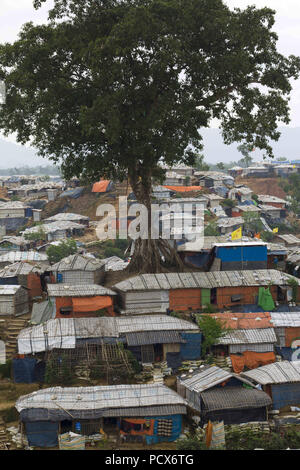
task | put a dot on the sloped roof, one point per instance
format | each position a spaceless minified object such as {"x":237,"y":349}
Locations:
{"x":20,"y":268}
{"x":249,"y":336}
{"x":276,"y":373}
{"x":101,"y":397}
{"x":63,"y":332}
{"x":209,"y":280}
{"x":234,"y":397}
{"x":77,"y":262}
{"x":66,"y":216}
{"x":65,"y":290}
{"x":285,"y":319}
{"x":15,"y":256}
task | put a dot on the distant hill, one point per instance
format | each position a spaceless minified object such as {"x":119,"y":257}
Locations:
{"x":12,"y":155}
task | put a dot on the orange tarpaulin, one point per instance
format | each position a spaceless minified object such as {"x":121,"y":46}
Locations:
{"x":91,"y":304}
{"x":184,"y":189}
{"x":34,"y":285}
{"x":251,"y":359}
{"x":100,"y":187}
{"x":209,"y":429}
{"x":243,"y":321}
{"x":62,"y":302}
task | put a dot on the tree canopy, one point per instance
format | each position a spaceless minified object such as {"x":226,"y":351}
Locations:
{"x":114,"y":88}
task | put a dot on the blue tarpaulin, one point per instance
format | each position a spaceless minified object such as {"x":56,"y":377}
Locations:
{"x":23,"y":370}
{"x":192,"y":348}
{"x":72,"y":193}
{"x":285,"y":395}
{"x":176,"y":429}
{"x":42,"y":434}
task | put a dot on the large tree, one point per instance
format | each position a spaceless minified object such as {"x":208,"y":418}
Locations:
{"x":114,"y":87}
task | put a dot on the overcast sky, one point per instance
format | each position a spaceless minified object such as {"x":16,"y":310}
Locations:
{"x":14,"y":13}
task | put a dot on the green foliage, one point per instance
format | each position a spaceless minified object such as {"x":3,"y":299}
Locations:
{"x":118,"y":99}
{"x":39,"y":235}
{"x":220,"y":166}
{"x":247,"y":439}
{"x":66,"y":248}
{"x":209,"y":309}
{"x":58,"y":371}
{"x":212,"y":329}
{"x":252,"y":221}
{"x":267,"y":236}
{"x":228,"y":203}
{"x":190,"y":443}
{"x":245,"y":150}
{"x":10,"y":415}
{"x":211,"y":230}
{"x":6,"y":369}
{"x":293,"y":283}
{"x":200,"y":164}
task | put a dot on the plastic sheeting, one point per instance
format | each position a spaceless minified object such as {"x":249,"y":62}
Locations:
{"x":285,"y":395}
{"x":251,"y":359}
{"x":192,"y":348}
{"x":24,"y":370}
{"x":102,"y":186}
{"x":176,"y":429}
{"x":91,"y":304}
{"x":265,"y":299}
{"x":72,"y":193}
{"x":42,"y":434}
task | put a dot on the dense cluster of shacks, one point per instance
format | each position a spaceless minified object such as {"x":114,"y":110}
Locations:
{"x":74,"y":320}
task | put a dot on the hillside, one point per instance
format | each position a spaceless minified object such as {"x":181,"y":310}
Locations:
{"x":268,"y":186}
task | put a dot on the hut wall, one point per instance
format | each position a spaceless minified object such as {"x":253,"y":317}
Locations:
{"x":7,"y":306}
{"x":167,"y":348}
{"x":21,"y":302}
{"x":237,"y":416}
{"x":240,"y":348}
{"x":248,"y":295}
{"x":185,"y":299}
{"x":285,"y":395}
{"x":157,"y":301}
{"x":290,"y":335}
{"x":78,"y":277}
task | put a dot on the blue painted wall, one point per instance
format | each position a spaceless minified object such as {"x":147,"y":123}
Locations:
{"x":245,"y":253}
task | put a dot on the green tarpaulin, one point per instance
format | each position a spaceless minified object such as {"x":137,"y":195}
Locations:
{"x":265,"y":299}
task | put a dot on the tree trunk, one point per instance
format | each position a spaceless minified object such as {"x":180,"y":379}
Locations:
{"x":150,"y":255}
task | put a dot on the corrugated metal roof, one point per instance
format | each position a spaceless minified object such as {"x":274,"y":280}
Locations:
{"x":166,"y":281}
{"x":206,"y":378}
{"x":234,"y":397}
{"x":65,"y":217}
{"x":276,"y":373}
{"x":77,"y":262}
{"x":20,"y":269}
{"x":230,"y":221}
{"x":251,"y":336}
{"x":150,"y":337}
{"x":267,"y":198}
{"x":15,"y":256}
{"x":55,"y":226}
{"x":9,"y":290}
{"x":65,"y":331}
{"x":285,"y":319}
{"x":101,"y":397}
{"x":290,"y":239}
{"x":65,"y":290}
